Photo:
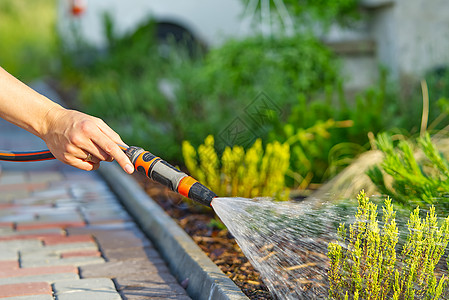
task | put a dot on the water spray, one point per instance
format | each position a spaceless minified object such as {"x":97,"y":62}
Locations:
{"x":144,"y":162}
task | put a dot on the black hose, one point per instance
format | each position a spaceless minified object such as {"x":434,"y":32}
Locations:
{"x":32,"y":155}
{"x":26,"y":156}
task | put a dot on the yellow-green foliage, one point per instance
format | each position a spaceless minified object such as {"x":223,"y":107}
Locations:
{"x":256,"y":172}
{"x":364,"y":264}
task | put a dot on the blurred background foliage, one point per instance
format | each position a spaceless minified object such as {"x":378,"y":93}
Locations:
{"x":28,"y":37}
{"x":158,"y":97}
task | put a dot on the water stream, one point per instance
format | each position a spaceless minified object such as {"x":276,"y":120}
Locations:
{"x":285,"y":241}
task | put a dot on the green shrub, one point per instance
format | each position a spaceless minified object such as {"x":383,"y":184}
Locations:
{"x":411,"y":181}
{"x":251,"y":173}
{"x":326,"y":132}
{"x":364,"y":263}
{"x":310,"y":149}
{"x":281,"y":66}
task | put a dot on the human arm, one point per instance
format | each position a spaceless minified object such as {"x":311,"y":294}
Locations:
{"x":70,"y":135}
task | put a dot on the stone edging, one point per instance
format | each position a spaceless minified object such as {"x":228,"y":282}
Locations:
{"x":185,"y":259}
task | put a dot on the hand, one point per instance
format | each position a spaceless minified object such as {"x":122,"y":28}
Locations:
{"x":71,"y":136}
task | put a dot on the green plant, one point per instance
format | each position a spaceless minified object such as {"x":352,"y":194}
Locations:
{"x":126,"y":87}
{"x":27,"y":50}
{"x":256,"y":172}
{"x":281,"y":66}
{"x":309,"y":148}
{"x":364,"y":263}
{"x":411,"y":181}
{"x":326,"y":132}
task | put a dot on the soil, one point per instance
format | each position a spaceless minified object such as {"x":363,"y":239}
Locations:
{"x":212,"y":237}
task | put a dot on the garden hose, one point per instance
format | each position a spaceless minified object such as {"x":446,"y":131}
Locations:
{"x":161,"y":171}
{"x":26,"y":156}
{"x":152,"y":166}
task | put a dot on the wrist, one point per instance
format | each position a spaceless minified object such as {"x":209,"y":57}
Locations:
{"x":51,"y":114}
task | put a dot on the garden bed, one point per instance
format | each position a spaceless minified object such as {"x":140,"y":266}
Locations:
{"x":217,"y":243}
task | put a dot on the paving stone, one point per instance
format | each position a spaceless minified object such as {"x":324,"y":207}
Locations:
{"x":23,"y":245}
{"x":137,"y":296}
{"x":20,"y":272}
{"x":92,"y":288}
{"x":12,"y":177}
{"x":34,"y":297}
{"x":81,"y":253}
{"x":50,"y":278}
{"x":94,"y":216}
{"x":71,"y":246}
{"x":11,"y":237}
{"x":42,"y":225}
{"x":8,"y":254}
{"x":55,"y":231}
{"x":56,"y":240}
{"x":13,"y":194}
{"x":6,"y":231}
{"x":129,"y":288}
{"x":132,"y":253}
{"x":103,"y":295}
{"x":8,"y":264}
{"x":6,"y":205}
{"x":123,"y":268}
{"x":25,"y":289}
{"x":45,"y":176}
{"x":98,"y":207}
{"x":19,"y":208}
{"x":92,"y":228}
{"x":6,"y":228}
{"x":121,"y":239}
{"x":58,"y":254}
{"x":34,"y":201}
{"x":23,"y":217}
{"x":52,"y":212}
{"x":51,"y":261}
{"x":142,"y":279}
{"x":90,"y":284}
{"x":6,"y":225}
{"x":20,"y":189}
{"x":43,"y":253}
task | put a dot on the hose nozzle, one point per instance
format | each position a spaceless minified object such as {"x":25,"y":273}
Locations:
{"x":159,"y":170}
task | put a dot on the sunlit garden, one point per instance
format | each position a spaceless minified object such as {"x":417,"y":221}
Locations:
{"x":364,"y":172}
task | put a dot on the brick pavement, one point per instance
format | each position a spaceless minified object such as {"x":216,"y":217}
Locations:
{"x":69,"y":238}
{"x":64,"y":235}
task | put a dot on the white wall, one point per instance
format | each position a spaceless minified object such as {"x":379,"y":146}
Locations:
{"x":412,"y":36}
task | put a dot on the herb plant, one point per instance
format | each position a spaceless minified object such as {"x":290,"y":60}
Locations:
{"x":364,"y":263}
{"x":251,"y":173}
{"x":408,"y":180}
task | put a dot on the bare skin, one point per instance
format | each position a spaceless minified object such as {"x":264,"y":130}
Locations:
{"x":70,"y":135}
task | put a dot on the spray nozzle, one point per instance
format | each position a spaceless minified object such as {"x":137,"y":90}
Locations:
{"x":159,"y":170}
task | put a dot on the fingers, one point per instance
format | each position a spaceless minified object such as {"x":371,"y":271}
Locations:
{"x":111,"y":148}
{"x":110,"y":133}
{"x":114,"y":151}
{"x":83,"y":165}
